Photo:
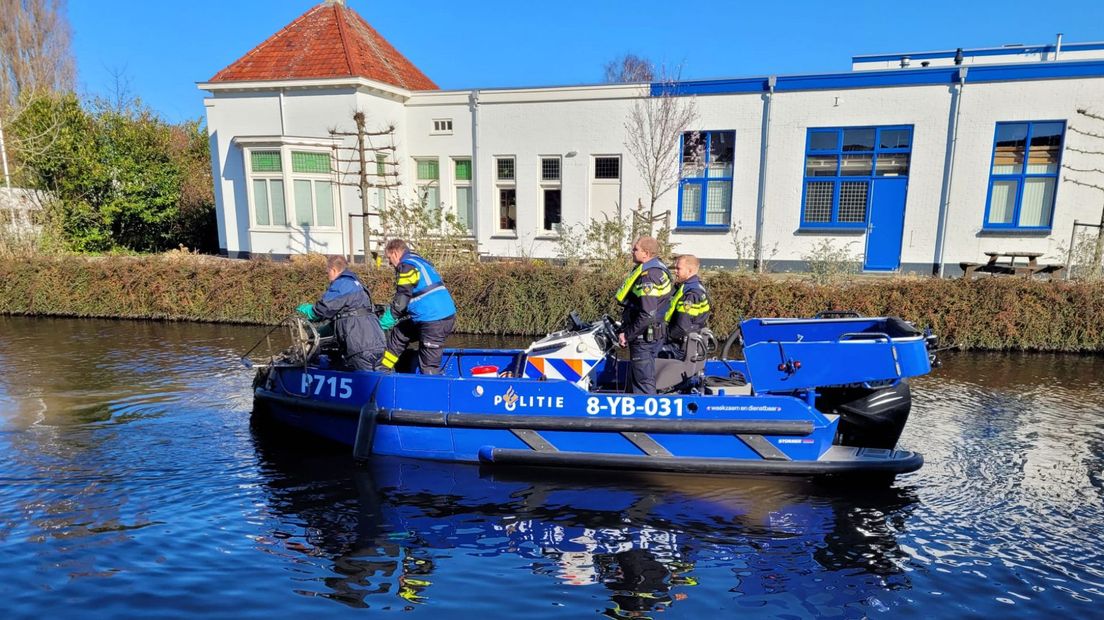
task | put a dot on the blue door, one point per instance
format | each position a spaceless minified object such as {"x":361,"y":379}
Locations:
{"x":886,"y":225}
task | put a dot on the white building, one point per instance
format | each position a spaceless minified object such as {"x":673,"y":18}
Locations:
{"x":910,"y":160}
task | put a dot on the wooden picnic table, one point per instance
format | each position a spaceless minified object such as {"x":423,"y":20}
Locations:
{"x":1009,"y":263}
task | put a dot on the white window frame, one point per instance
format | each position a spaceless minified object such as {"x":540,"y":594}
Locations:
{"x":457,"y":185}
{"x":422,"y":186}
{"x":544,"y":186}
{"x":500,"y":186}
{"x":314,"y":178}
{"x":441,"y":127}
{"x":267,"y":177}
{"x":286,"y":146}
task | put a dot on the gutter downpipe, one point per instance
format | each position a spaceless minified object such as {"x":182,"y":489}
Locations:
{"x":761,"y":206}
{"x":473,"y":106}
{"x":945,"y":204}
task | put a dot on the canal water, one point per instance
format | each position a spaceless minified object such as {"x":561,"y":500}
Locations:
{"x":132,"y":485}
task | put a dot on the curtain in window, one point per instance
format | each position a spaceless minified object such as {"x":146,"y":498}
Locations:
{"x":432,"y":196}
{"x":691,"y":202}
{"x":260,"y":202}
{"x":464,"y":206}
{"x":323,"y":202}
{"x":1038,"y":200}
{"x":718,"y":197}
{"x":1003,"y":202}
{"x":303,"y":208}
{"x":276,"y":197}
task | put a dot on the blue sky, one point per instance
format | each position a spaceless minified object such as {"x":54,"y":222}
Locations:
{"x":161,"y":49}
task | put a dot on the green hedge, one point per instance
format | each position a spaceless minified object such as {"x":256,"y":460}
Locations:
{"x":522,"y":298}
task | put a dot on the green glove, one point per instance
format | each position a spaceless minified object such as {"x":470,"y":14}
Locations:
{"x":387,"y":321}
{"x":307,"y":310}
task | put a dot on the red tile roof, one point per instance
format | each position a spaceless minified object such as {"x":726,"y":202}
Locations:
{"x":328,"y":41}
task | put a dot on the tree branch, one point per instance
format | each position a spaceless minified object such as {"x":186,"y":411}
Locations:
{"x":1086,"y":133}
{"x":1082,"y":183}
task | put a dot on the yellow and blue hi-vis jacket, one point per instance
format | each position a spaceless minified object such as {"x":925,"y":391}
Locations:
{"x":646,"y":296}
{"x":420,"y":292}
{"x":689,"y":311}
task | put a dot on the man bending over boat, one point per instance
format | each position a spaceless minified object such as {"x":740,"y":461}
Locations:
{"x":689,"y":311}
{"x":645,"y":296}
{"x":355,"y":324}
{"x":422,"y":299}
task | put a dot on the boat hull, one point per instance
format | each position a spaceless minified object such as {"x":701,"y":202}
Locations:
{"x":737,"y":435}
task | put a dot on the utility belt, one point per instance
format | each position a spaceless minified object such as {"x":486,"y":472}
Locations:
{"x":653,"y":332}
{"x":348,"y":314}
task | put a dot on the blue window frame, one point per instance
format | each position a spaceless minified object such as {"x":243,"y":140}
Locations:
{"x":840,"y":164}
{"x":1023,"y":176}
{"x":705,"y":181}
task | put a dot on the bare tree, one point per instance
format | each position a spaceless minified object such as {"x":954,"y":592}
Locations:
{"x":1090,"y":176}
{"x":373,"y":164}
{"x":654,"y":133}
{"x":34,"y":48}
{"x":630,"y":68}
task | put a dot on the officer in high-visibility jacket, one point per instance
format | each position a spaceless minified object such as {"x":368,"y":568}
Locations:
{"x":646,"y":297}
{"x":689,"y":311}
{"x":422,"y":309}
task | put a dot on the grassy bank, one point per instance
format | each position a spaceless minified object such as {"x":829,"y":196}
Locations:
{"x":505,"y":298}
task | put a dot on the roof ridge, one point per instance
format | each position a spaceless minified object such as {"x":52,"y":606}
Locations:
{"x":340,"y":17}
{"x":374,"y":44}
{"x":322,"y":43}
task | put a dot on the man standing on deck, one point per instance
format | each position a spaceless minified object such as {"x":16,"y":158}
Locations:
{"x":422,"y":299}
{"x":689,"y":311}
{"x":347,"y":302}
{"x":645,"y":296}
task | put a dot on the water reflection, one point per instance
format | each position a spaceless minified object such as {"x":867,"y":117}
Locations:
{"x":395,"y":528}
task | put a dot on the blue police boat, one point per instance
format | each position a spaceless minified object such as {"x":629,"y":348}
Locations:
{"x":822,"y":396}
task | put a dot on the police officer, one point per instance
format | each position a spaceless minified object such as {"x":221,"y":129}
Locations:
{"x":646,"y":296}
{"x":347,"y":302}
{"x":420,"y":297}
{"x":689,"y":311}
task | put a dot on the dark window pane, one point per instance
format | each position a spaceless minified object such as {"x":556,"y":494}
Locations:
{"x":507,"y":209}
{"x":858,"y":139}
{"x":721,"y":149}
{"x":823,"y":140}
{"x":505,"y":169}
{"x":693,"y":154}
{"x":550,"y":169}
{"x":1046,"y":134}
{"x":551,"y":209}
{"x":607,"y":168}
{"x":1008,"y":152}
{"x":895,"y":139}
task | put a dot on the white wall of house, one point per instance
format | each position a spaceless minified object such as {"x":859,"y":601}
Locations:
{"x":577,"y":124}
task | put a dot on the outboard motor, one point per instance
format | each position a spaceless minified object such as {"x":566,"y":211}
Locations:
{"x":570,"y":354}
{"x":869,"y":417}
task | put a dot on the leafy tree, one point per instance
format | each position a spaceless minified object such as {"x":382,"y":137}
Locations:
{"x":121,"y":178}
